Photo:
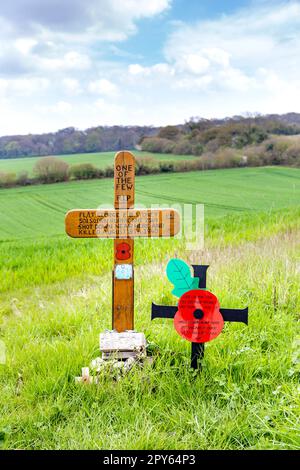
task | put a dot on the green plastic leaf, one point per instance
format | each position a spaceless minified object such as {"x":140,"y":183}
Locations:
{"x":179,"y":274}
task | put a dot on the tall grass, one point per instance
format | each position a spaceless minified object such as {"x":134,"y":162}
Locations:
{"x":245,"y":398}
{"x":56,"y":298}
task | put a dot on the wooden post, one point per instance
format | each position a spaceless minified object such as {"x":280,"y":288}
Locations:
{"x":123,"y":289}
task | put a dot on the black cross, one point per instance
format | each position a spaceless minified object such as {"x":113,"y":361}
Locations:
{"x":228,"y":314}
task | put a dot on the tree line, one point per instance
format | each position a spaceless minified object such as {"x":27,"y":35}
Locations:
{"x":71,"y":140}
{"x":276,"y":151}
{"x":201,"y":136}
{"x":194,"y":137}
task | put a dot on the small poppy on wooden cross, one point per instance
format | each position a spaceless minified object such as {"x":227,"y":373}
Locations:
{"x":123,"y":224}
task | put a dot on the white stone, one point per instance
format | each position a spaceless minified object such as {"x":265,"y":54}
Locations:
{"x":129,"y":363}
{"x":118,"y":355}
{"x":86,"y":377}
{"x":118,"y":365}
{"x":112,"y":341}
{"x":97,"y":364}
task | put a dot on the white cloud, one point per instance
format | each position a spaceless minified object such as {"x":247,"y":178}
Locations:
{"x":247,"y":60}
{"x":78,"y":19}
{"x":74,"y":60}
{"x":25,"y":45}
{"x":190,"y":83}
{"x":236,"y":80}
{"x":140,"y":8}
{"x":110,"y":110}
{"x":61,"y":107}
{"x":28,"y":86}
{"x":52,"y":35}
{"x":70,"y":61}
{"x":137,"y":69}
{"x":103,"y":87}
{"x":3,"y":86}
{"x":62,"y":41}
{"x":264,"y":35}
{"x":224,"y":57}
{"x":23,"y":87}
{"x":157,"y":70}
{"x":53,"y":73}
{"x":195,"y":63}
{"x":71,"y":85}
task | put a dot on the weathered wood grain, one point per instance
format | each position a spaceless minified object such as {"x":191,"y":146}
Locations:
{"x":116,"y":224}
{"x":123,"y":289}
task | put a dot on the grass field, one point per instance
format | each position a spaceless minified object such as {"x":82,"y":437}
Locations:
{"x":39,"y":210}
{"x":99,"y":160}
{"x":56,"y":298}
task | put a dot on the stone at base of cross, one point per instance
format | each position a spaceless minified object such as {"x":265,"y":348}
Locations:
{"x":125,"y":342}
{"x":120,"y":351}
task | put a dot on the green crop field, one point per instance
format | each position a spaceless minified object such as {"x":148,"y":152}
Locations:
{"x":39,"y":210}
{"x":99,"y":160}
{"x":56,"y":298}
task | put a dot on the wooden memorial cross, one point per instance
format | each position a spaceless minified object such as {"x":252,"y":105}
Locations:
{"x":123,"y":224}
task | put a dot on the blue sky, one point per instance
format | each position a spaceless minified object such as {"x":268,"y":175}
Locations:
{"x":153,"y":32}
{"x":84,"y":63}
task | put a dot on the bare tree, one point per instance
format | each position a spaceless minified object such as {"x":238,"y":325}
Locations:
{"x":51,"y":170}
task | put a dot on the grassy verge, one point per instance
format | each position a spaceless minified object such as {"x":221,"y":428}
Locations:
{"x":56,"y":299}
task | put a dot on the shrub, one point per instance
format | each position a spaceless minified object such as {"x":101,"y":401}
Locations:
{"x":169,"y":132}
{"x":146,"y":166}
{"x":189,"y":165}
{"x":198,"y":149}
{"x":278,"y":153}
{"x":109,"y":172}
{"x":213,"y":145}
{"x":22,"y":178}
{"x":227,"y":158}
{"x":166,"y":167}
{"x":183,"y":148}
{"x":269,"y":146}
{"x":51,"y":170}
{"x":207,"y":162}
{"x":157,"y":145}
{"x":183,"y":165}
{"x":256,"y":155}
{"x":275,"y":151}
{"x":151,"y":144}
{"x":292,"y":155}
{"x":207,"y":135}
{"x":168,"y":146}
{"x":84,"y":171}
{"x":7,"y":180}
{"x":203,"y":163}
